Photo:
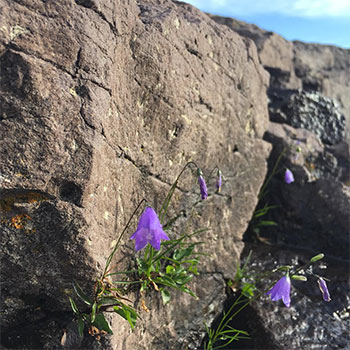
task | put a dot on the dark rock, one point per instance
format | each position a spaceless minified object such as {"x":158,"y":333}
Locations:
{"x":310,"y":322}
{"x":313,"y":211}
{"x":308,"y":110}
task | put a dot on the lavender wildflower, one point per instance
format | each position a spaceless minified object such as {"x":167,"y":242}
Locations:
{"x":149,"y":230}
{"x":281,"y":290}
{"x":202,"y":185}
{"x":324,"y":290}
{"x":288,"y":176}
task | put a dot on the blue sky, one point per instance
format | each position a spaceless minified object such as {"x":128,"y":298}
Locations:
{"x":318,"y":21}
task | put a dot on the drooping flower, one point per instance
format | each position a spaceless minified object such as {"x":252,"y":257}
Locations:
{"x":202,"y":185}
{"x":324,"y":290}
{"x":219,"y":181}
{"x":149,"y":230}
{"x":288,"y":176}
{"x":281,"y":290}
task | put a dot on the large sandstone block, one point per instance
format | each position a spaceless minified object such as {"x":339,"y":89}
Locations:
{"x":101,"y":104}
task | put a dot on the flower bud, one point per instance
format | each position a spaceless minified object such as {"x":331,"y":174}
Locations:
{"x":284,"y":268}
{"x":317,"y":257}
{"x":324,"y":290}
{"x":202,"y":185}
{"x":299,"y":278}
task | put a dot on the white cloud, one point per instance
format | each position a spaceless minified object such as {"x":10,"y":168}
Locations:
{"x":297,"y":8}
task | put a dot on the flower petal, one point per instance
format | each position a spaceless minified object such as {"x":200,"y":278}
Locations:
{"x":140,"y":242}
{"x":288,"y":176}
{"x":149,"y":230}
{"x":324,"y":290}
{"x":281,"y":290}
{"x":155,"y":241}
{"x":202,"y":187}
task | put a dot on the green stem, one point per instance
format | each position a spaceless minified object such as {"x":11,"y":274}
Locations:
{"x":166,"y":202}
{"x":177,"y":241}
{"x":121,"y":272}
{"x":215,"y":168}
{"x":273,"y":173}
{"x":225,"y":320}
{"x":109,"y":259}
{"x":303,"y":267}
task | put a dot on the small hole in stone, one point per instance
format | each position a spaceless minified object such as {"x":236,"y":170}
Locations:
{"x":235,"y":149}
{"x":71,"y":192}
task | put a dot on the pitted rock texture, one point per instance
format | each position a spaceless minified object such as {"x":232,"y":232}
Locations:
{"x":311,"y":111}
{"x":101,"y":104}
{"x":309,"y":322}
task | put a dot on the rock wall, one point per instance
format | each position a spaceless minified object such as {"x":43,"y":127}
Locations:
{"x":101,"y":104}
{"x":297,"y":65}
{"x":310,"y":118}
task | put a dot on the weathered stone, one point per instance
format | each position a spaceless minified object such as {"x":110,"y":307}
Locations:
{"x":298,"y":65}
{"x":309,"y":89}
{"x":102,"y":104}
{"x":309,"y":322}
{"x":317,"y":202}
{"x":308,"y":110}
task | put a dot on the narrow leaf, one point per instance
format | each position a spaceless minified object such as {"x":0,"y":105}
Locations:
{"x":80,"y":327}
{"x":74,"y":306}
{"x":127,"y":313}
{"x":93,"y":312}
{"x":266,"y":223}
{"x":81,"y":294}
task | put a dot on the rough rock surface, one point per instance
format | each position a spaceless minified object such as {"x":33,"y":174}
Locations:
{"x":101,"y":104}
{"x":310,"y":322}
{"x":297,"y":65}
{"x":308,"y":100}
{"x":317,"y":203}
{"x":308,"y":110}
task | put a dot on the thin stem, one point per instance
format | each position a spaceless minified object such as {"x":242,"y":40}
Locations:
{"x":168,"y":197}
{"x":177,"y":241}
{"x":108,"y":262}
{"x":215,"y":168}
{"x":121,"y":272}
{"x":303,"y":267}
{"x":273,"y":173}
{"x":225,"y":320}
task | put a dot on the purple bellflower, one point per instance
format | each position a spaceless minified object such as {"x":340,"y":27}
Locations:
{"x":219,"y":181}
{"x":281,"y":290}
{"x":324,"y":290}
{"x":149,"y":230}
{"x":288,"y":176}
{"x":202,"y":185}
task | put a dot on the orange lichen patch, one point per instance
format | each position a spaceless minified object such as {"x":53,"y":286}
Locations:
{"x":12,"y":212}
{"x":20,"y":221}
